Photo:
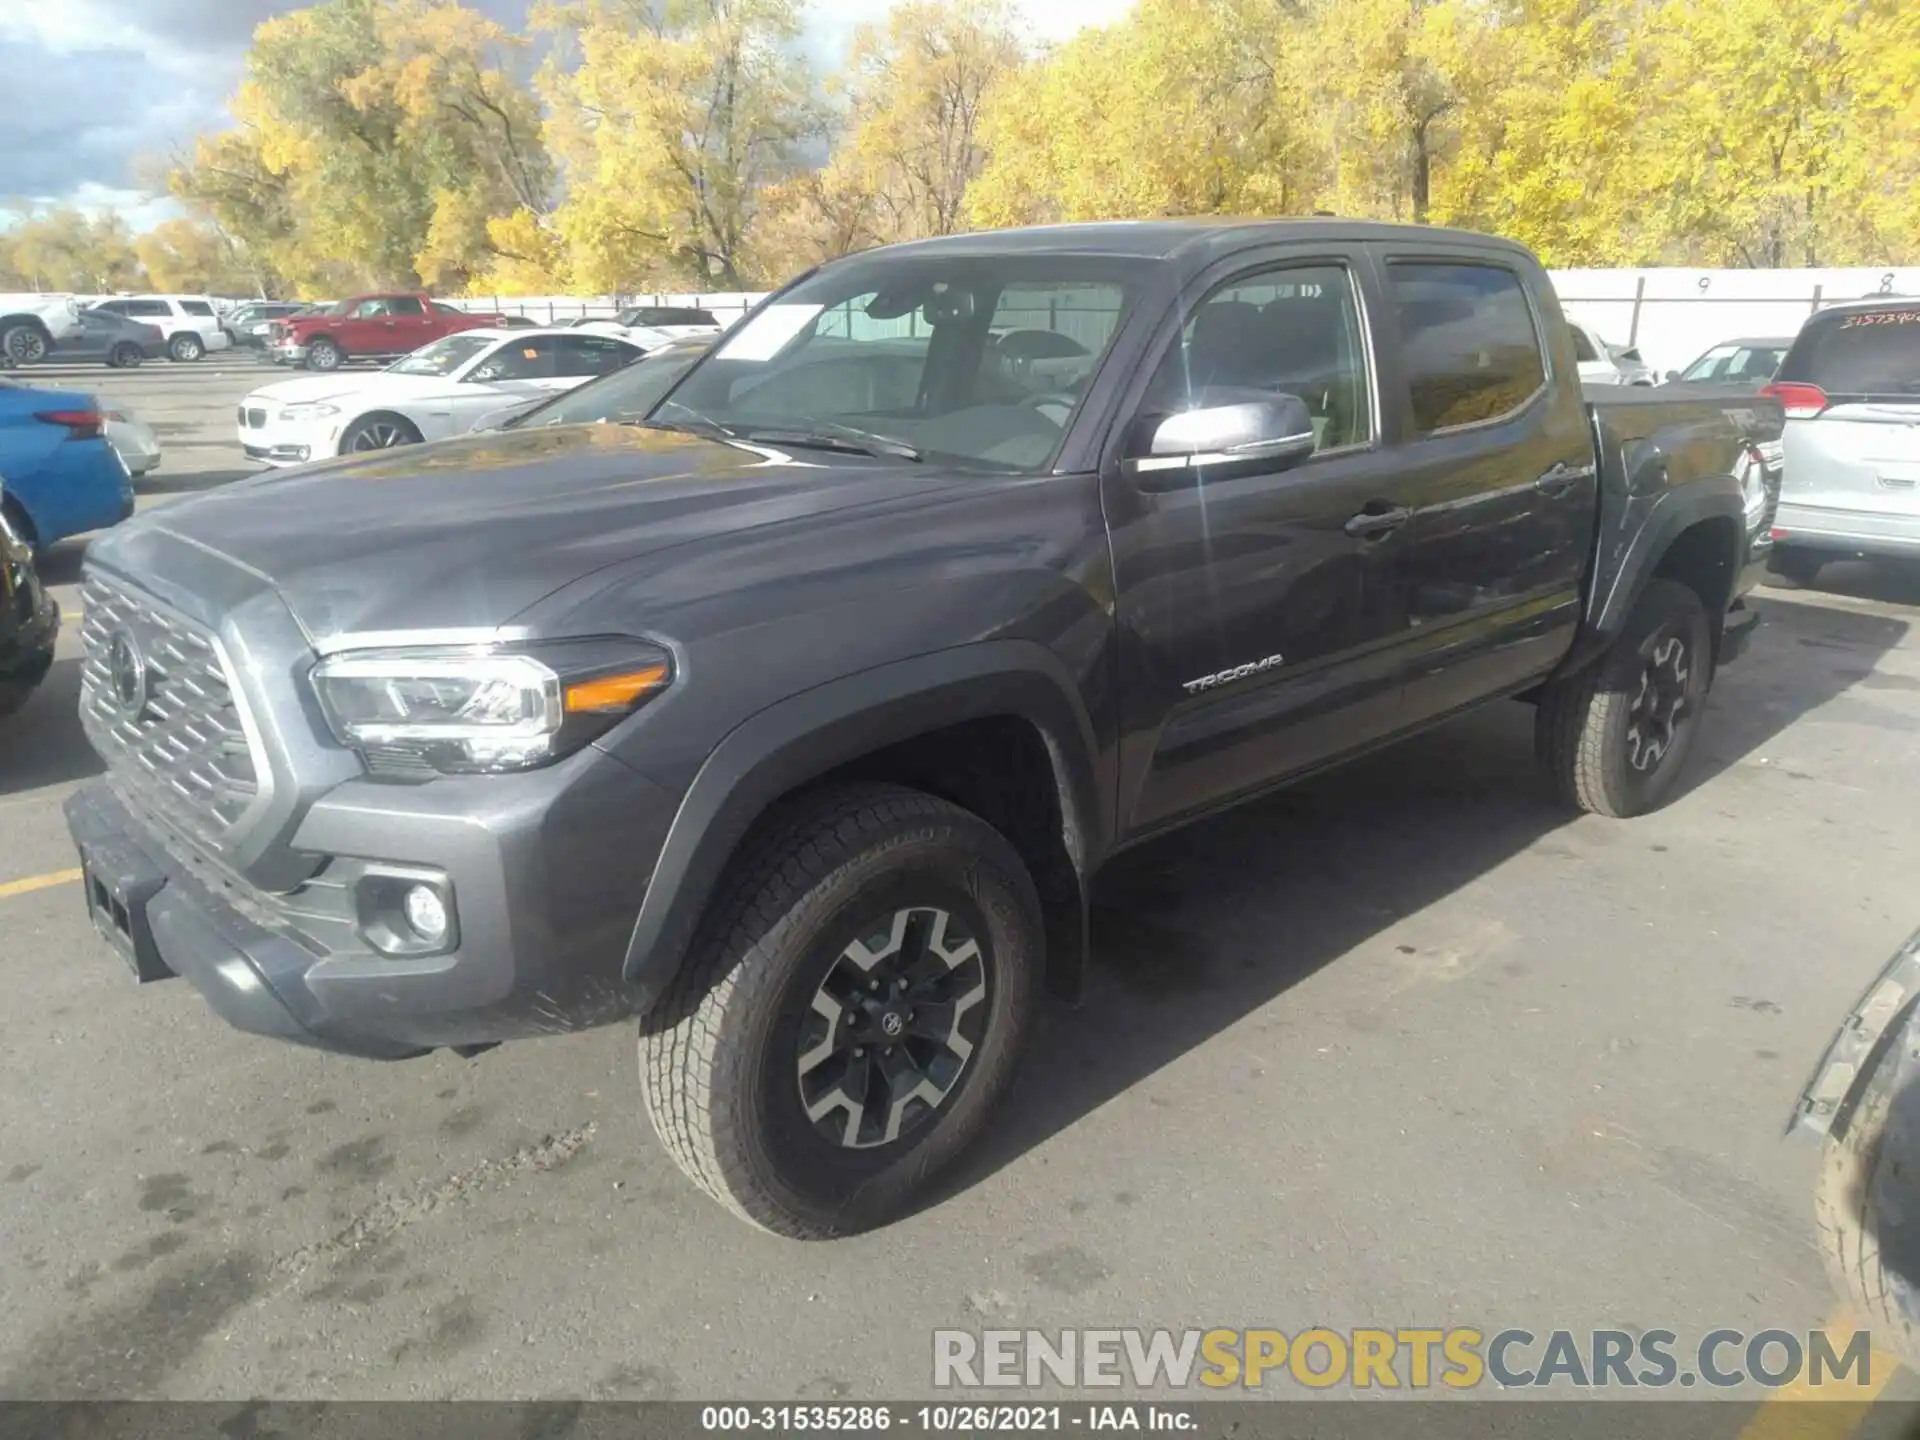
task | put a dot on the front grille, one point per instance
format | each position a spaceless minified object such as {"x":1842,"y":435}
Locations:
{"x":157,"y":704}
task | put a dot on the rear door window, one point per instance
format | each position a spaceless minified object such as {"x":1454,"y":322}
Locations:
{"x":147,"y":308}
{"x":406,"y":305}
{"x":1470,"y":345}
{"x":1859,"y":352}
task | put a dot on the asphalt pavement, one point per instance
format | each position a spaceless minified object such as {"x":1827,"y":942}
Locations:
{"x":1406,"y":1046}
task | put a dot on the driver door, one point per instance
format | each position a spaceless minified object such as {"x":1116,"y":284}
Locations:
{"x":1262,"y":606}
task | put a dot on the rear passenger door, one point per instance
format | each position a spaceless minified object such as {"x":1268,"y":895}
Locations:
{"x":1262,"y":608}
{"x":412,"y":326}
{"x":1491,"y":435}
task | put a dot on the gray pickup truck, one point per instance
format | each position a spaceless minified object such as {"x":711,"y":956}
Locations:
{"x":796,"y":718}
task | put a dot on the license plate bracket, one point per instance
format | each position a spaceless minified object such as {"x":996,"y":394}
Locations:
{"x":117,"y":893}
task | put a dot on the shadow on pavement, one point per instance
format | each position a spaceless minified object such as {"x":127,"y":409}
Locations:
{"x":1892,"y":581}
{"x":1196,"y":930}
{"x":43,"y":743}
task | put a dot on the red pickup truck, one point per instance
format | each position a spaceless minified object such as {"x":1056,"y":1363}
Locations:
{"x":366,"y":327}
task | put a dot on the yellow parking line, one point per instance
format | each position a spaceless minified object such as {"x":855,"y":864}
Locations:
{"x":37,"y":882}
{"x":1792,"y":1411}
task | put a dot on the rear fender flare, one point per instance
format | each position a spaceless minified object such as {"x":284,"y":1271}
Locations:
{"x":1662,"y":521}
{"x":807,"y":736}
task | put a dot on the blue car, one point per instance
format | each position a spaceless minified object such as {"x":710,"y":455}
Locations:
{"x":62,"y":477}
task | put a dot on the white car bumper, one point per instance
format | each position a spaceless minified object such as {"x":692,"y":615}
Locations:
{"x":137,"y":446}
{"x":269,"y":440}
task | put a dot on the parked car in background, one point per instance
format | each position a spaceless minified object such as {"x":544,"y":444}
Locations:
{"x":31,"y":325}
{"x":188,"y":321}
{"x":799,"y":720}
{"x":625,"y":397}
{"x":654,"y":325}
{"x":1750,"y":362}
{"x":133,"y":440}
{"x":1604,"y":364}
{"x":367,"y":327}
{"x":113,"y":339}
{"x":519,"y":322}
{"x":438,"y":391}
{"x":29,"y":618}
{"x":247,"y":325}
{"x":1850,"y":385}
{"x":63,"y":478}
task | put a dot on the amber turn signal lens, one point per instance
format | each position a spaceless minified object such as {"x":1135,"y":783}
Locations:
{"x":614,"y":694}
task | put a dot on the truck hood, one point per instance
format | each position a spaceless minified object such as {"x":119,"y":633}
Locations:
{"x":466,"y":534}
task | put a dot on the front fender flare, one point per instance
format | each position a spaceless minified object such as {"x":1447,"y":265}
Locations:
{"x":804,"y":737}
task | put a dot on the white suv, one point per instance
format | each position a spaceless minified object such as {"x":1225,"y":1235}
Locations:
{"x":188,"y":321}
{"x":32,"y":325}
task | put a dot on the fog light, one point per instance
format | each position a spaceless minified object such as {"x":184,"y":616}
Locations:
{"x":427,"y":913}
{"x":406,"y":911}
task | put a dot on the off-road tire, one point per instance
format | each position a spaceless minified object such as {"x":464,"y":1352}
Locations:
{"x":713,"y":1062}
{"x":1582,"y":723}
{"x":324,"y":354}
{"x":186,"y":347}
{"x":1867,"y":1180}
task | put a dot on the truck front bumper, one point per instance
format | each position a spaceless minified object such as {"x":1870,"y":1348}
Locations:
{"x":288,"y":354}
{"x":542,"y":878}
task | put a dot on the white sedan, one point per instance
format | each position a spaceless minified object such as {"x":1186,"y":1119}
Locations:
{"x":439,"y":390}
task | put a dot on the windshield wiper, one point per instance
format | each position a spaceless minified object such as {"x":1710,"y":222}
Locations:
{"x":832,"y":435}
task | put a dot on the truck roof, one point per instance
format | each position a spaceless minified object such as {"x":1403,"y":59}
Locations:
{"x":1161,"y":239}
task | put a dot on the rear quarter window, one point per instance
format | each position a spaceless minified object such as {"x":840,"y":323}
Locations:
{"x":196,"y":307}
{"x":1859,"y":352}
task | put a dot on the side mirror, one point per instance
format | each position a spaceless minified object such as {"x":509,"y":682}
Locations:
{"x":1273,"y":431}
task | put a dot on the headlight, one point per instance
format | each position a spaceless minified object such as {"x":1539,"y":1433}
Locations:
{"x":484,"y":711}
{"x":311,"y":410}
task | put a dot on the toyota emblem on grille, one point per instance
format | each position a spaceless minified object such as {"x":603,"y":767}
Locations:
{"x":126,"y":675}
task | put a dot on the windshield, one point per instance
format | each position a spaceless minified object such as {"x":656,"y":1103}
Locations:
{"x":443,"y":357}
{"x":966,"y":358}
{"x":1736,"y":362}
{"x":624,"y":396}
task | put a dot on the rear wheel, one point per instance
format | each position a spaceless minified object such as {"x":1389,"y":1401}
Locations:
{"x":186,"y":346}
{"x":125,"y":356}
{"x":851,"y":1012}
{"x":1616,"y":735}
{"x":23,"y":343}
{"x":378,"y":432}
{"x":324,"y":354}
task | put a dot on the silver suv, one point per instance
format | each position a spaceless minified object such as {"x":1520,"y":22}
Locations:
{"x":1851,"y":390}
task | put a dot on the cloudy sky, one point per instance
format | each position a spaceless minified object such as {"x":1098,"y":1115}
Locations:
{"x":92,"y":85}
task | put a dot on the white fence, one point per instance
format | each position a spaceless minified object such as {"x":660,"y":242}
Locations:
{"x":1673,"y":315}
{"x":1670,"y":314}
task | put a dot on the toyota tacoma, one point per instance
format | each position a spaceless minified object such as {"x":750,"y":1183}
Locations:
{"x":795,"y":718}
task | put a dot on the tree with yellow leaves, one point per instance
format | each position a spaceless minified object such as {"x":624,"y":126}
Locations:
{"x":676,"y":119}
{"x":1183,"y":107}
{"x":377,"y":139}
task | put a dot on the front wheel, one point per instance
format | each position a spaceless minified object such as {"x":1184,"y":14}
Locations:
{"x":850,"y":1013}
{"x":23,"y":343}
{"x":1615,"y":736}
{"x":186,"y":347}
{"x":378,"y":432}
{"x":324,"y":354}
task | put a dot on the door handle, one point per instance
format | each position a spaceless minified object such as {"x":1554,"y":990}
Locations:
{"x":1374,"y":523}
{"x":1562,"y":478}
